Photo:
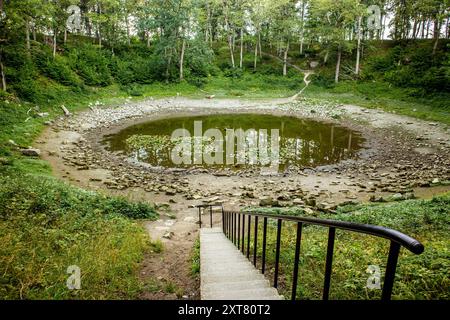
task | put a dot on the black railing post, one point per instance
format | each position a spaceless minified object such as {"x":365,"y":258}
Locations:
{"x":389,"y":276}
{"x":263,"y":262}
{"x":277,"y":254}
{"x":210,"y":216}
{"x":329,"y":263}
{"x":296,"y":260}
{"x":235,"y":228}
{"x":223,"y":221}
{"x":243,"y":233}
{"x":248,"y":236}
{"x":255,"y":242}
{"x":227,"y":226}
{"x":200,"y":217}
{"x":239,"y":231}
{"x":233,"y":235}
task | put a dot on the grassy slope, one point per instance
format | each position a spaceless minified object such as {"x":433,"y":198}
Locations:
{"x":424,"y":276}
{"x":47,"y":226}
{"x":379,"y":95}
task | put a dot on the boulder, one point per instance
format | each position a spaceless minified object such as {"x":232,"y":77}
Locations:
{"x":168,"y":235}
{"x":170,"y":192}
{"x":397,"y":197}
{"x":31,"y":152}
{"x":377,"y":199}
{"x":266,"y":201}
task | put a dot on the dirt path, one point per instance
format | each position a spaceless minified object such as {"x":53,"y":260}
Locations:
{"x":402,"y":155}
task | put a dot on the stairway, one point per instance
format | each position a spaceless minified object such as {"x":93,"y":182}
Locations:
{"x":225,"y":273}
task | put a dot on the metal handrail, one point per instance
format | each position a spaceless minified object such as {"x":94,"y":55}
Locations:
{"x":406,"y":241}
{"x":205,"y":206}
{"x":235,"y":231}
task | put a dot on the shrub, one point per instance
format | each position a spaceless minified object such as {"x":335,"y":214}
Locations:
{"x":235,"y":73}
{"x":56,"y":68}
{"x":91,"y":64}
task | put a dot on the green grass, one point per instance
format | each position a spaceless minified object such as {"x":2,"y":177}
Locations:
{"x":47,"y":226}
{"x":424,"y":276}
{"x":379,"y":95}
{"x":195,"y":259}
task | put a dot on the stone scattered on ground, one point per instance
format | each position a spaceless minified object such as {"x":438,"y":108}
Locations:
{"x":30,"y":152}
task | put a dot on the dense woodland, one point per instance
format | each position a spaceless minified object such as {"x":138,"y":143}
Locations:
{"x":143,"y":41}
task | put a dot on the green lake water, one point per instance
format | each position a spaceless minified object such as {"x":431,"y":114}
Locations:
{"x":301,"y":143}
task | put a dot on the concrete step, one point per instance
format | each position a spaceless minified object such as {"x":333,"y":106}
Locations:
{"x":225,"y":273}
{"x":243,"y":294}
{"x":233,"y":276}
{"x":229,"y":286}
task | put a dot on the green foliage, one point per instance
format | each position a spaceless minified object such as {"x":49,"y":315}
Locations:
{"x":33,"y":196}
{"x":134,"y":66}
{"x":47,"y":226}
{"x":195,"y":258}
{"x":413,"y":67}
{"x":91,"y":65}
{"x":424,"y":276}
{"x":56,"y":68}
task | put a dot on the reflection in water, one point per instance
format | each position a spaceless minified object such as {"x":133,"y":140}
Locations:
{"x":302,"y":143}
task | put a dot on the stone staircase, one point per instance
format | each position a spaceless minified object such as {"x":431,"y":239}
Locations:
{"x":225,"y":273}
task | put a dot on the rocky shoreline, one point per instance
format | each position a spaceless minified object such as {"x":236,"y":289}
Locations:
{"x":396,"y":160}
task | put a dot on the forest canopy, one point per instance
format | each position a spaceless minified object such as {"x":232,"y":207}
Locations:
{"x":88,"y":42}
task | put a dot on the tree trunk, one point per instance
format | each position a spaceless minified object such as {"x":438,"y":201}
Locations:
{"x":241,"y":61}
{"x":99,"y":32}
{"x":169,"y":62}
{"x":2,"y":72}
{"x":230,"y":41}
{"x":27,"y":35}
{"x":285,"y":59}
{"x":183,"y":47}
{"x":230,"y":45}
{"x":437,"y":31}
{"x":338,"y":65}
{"x":65,"y":36}
{"x":302,"y":27}
{"x":34,"y":32}
{"x":423,"y":29}
{"x":415,"y":28}
{"x":256,"y":55}
{"x":148,"y":39}
{"x":259,"y":45}
{"x":447,"y":29}
{"x":127,"y":24}
{"x":54,"y":43}
{"x":358,"y":49}
{"x":325,"y":59}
